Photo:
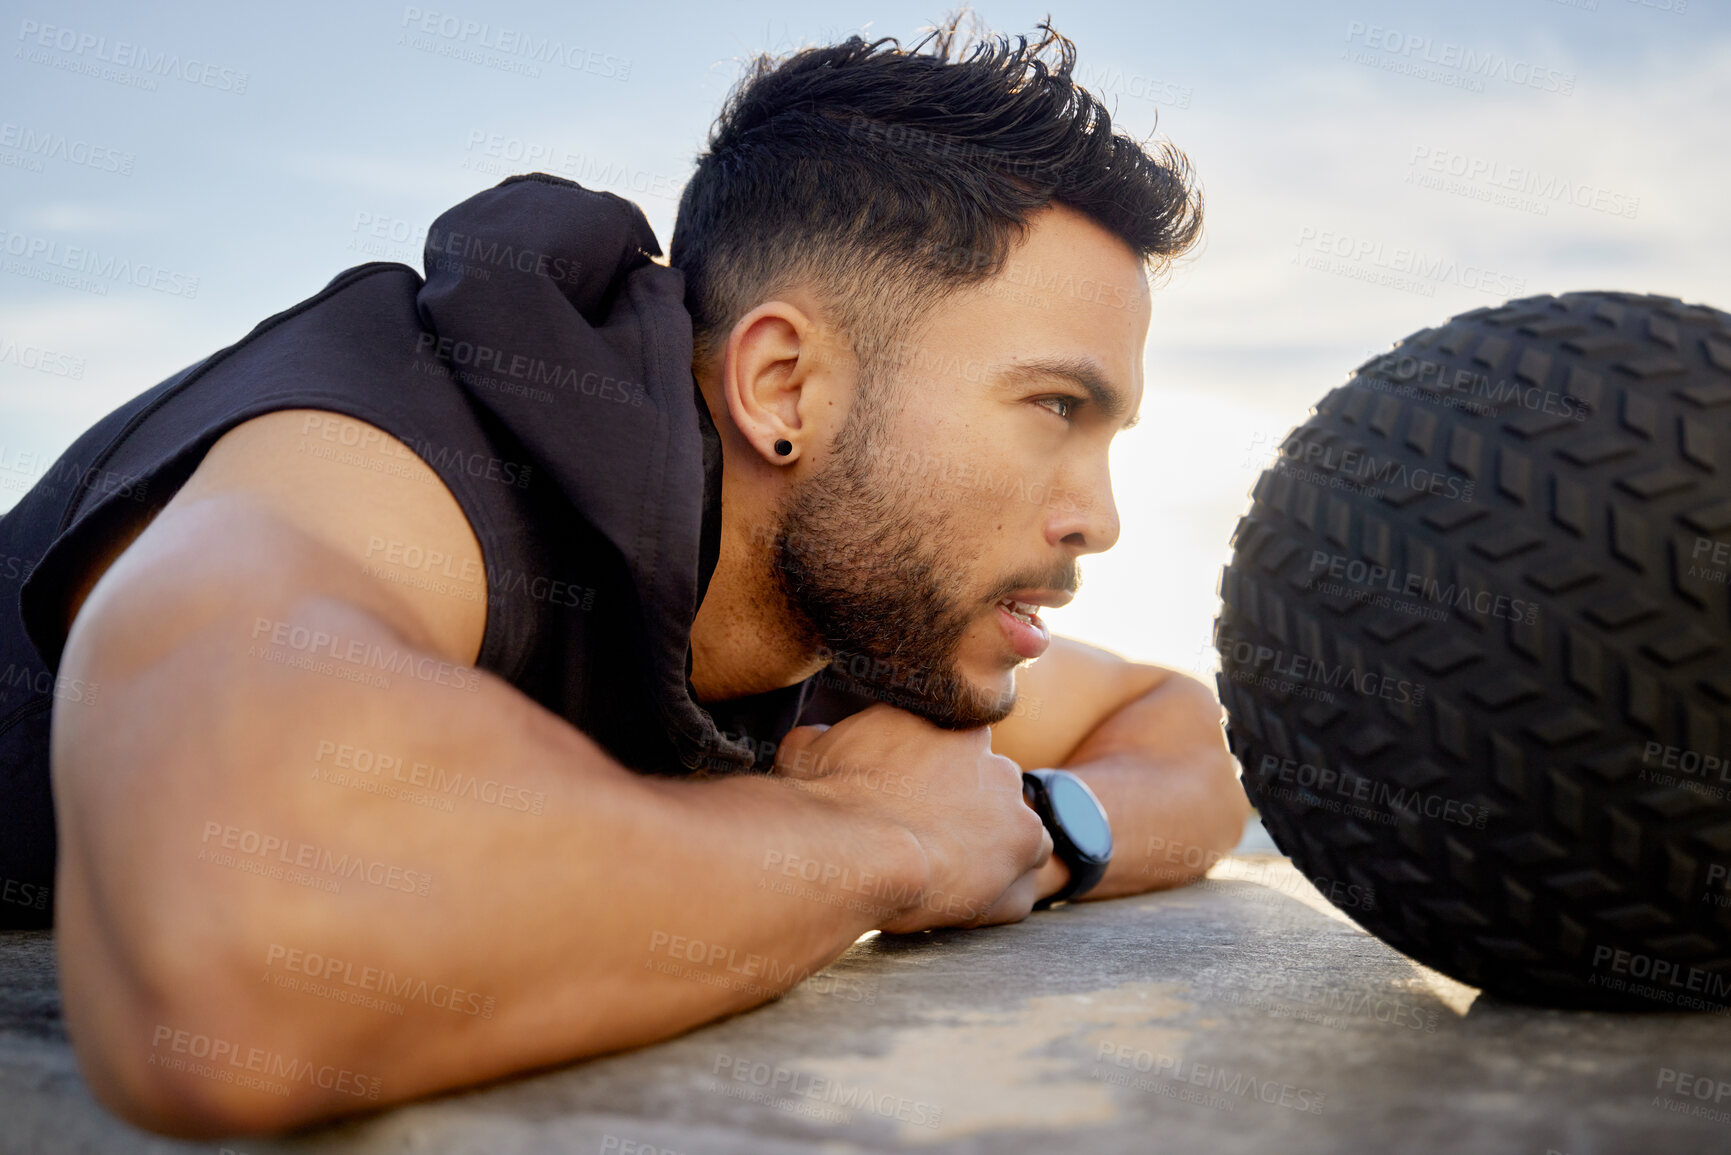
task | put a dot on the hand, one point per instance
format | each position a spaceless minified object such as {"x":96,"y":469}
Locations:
{"x":983,"y":845}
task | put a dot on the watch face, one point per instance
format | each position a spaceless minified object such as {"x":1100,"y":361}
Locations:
{"x":1080,"y":816}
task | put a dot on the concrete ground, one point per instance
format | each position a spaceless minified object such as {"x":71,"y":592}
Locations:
{"x":1241,"y":1014}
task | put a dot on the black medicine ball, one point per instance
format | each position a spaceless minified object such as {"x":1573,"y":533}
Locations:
{"x":1474,"y":657}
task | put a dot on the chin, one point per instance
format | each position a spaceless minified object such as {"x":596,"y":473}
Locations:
{"x":994,"y":668}
{"x":964,"y":702}
{"x":991,"y":694}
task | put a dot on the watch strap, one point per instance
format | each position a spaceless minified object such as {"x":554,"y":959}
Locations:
{"x":1085,"y":870}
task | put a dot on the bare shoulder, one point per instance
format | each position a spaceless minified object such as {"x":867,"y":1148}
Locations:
{"x":362,"y":497}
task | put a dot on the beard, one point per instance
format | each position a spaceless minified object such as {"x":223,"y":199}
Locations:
{"x":873,"y":576}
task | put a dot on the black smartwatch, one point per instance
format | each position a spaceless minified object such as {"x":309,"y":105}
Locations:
{"x":1081,"y":835}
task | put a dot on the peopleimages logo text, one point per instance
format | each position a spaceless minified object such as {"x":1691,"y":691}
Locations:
{"x":512,"y":42}
{"x":124,"y":54}
{"x":44,"y":145}
{"x":1480,"y":64}
{"x":94,"y":263}
{"x":1371,"y":253}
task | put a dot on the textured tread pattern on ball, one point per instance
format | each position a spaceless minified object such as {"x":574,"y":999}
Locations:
{"x":1541,"y":718}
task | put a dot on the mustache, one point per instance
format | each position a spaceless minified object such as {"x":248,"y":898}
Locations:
{"x":1067,"y":577}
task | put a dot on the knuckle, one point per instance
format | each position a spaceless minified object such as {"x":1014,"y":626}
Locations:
{"x":1026,"y":835}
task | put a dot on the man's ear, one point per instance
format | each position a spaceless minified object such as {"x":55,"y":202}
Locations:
{"x":768,"y":371}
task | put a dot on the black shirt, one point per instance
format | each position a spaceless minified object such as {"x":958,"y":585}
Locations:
{"x":543,"y":370}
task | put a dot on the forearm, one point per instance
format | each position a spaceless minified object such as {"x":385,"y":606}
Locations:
{"x":1161,"y":769}
{"x":208,"y":817}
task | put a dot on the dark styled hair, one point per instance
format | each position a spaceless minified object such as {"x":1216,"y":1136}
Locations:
{"x":886,"y":178}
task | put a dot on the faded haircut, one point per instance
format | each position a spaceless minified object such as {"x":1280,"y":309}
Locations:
{"x":886,"y":178}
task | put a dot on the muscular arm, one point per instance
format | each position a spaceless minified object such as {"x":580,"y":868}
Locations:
{"x":1147,"y":741}
{"x":236,"y":918}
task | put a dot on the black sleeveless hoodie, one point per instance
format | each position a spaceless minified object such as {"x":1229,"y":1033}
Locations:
{"x":543,"y":370}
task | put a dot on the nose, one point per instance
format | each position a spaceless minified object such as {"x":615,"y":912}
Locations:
{"x":1086,"y":517}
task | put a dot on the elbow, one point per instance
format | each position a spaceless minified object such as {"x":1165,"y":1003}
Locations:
{"x":157,"y":954}
{"x":1215,"y":805}
{"x":161,"y":1103}
{"x":1225,"y":807}
{"x":1230,"y":804}
{"x":185,"y":1081}
{"x":172,"y":1039}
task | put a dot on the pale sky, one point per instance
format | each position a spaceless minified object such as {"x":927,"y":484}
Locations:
{"x":1506,"y":147}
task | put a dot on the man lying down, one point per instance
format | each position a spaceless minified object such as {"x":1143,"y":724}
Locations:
{"x":424,"y":667}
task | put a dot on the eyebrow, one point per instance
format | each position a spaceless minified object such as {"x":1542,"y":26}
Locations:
{"x":1083,"y":372}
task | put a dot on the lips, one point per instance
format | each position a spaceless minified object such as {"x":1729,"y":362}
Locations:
{"x":1023,"y":629}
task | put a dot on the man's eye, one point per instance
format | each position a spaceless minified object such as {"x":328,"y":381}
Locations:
{"x":1069,"y":404}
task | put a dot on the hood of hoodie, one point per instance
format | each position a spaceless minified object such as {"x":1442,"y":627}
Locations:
{"x":567,"y":273}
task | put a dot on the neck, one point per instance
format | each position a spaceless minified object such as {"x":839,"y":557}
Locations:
{"x":741,"y":642}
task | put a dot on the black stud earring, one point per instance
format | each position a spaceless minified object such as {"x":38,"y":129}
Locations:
{"x":784,"y":447}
